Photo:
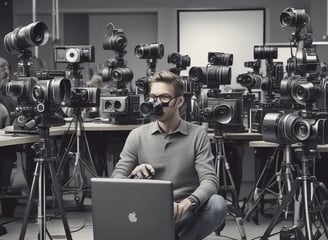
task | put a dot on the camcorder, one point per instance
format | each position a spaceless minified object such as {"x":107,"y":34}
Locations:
{"x":216,"y":73}
{"x":252,"y":79}
{"x":224,"y":111}
{"x":291,"y":128}
{"x":74,"y":54}
{"x":116,"y":70}
{"x":121,"y":109}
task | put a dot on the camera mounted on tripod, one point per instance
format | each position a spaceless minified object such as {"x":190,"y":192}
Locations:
{"x":39,"y":93}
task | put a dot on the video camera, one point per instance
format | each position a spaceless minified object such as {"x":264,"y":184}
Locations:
{"x":39,"y":93}
{"x":216,"y":73}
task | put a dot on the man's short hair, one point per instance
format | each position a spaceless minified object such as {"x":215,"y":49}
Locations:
{"x":171,"y":78}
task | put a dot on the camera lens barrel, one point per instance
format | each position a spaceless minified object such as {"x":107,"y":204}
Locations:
{"x":34,"y":34}
{"x":265,"y":52}
{"x":291,"y":17}
{"x":149,"y":51}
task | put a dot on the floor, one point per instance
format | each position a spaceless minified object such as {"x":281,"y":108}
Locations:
{"x":80,"y":223}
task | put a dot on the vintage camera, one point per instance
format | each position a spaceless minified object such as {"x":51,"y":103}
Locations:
{"x":149,"y":51}
{"x":291,"y":17}
{"x":250,"y":80}
{"x":121,"y":109}
{"x":85,"y":97}
{"x":218,"y":58}
{"x":117,"y":73}
{"x":292,"y":128}
{"x":224,"y":110}
{"x":33,"y":34}
{"x":74,"y":54}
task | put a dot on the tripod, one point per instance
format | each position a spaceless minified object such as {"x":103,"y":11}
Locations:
{"x":45,"y":157}
{"x":283,"y":178}
{"x":78,"y":175}
{"x":310,"y":202}
{"x":222,"y":167}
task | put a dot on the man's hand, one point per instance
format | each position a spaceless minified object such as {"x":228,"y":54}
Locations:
{"x":143,"y":171}
{"x":180,"y":208}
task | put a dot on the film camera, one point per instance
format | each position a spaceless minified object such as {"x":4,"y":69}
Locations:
{"x":216,"y":73}
{"x":74,"y":54}
{"x":116,"y":69}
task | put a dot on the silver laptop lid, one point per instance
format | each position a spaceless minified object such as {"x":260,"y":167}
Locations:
{"x":125,"y":209}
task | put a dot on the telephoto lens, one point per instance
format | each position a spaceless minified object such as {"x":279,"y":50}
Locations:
{"x":218,"y":58}
{"x":34,"y":34}
{"x":265,"y":52}
{"x":149,"y":51}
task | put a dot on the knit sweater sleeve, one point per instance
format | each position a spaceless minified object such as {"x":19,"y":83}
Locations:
{"x":204,"y":164}
{"x":128,"y":157}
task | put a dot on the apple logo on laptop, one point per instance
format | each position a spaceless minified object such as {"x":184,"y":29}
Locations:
{"x":133,"y":217}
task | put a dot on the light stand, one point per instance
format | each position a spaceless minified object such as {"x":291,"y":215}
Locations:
{"x":78,"y":175}
{"x":222,"y":167}
{"x":282,"y":178}
{"x":45,"y":157}
{"x":306,"y":185}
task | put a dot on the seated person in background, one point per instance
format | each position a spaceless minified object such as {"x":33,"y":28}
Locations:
{"x":172,"y":149}
{"x":7,"y":153}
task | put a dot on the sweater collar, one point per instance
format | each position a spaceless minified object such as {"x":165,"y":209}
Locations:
{"x":182,"y":128}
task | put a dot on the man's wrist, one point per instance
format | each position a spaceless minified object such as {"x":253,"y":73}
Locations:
{"x":194,"y":202}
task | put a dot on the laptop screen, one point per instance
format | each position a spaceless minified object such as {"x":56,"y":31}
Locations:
{"x":132,"y":209}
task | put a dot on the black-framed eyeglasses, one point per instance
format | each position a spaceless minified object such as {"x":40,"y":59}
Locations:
{"x":164,"y":98}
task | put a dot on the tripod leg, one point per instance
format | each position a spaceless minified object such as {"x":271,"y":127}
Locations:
{"x":308,"y":226}
{"x":283,"y":205}
{"x":59,"y":201}
{"x":29,"y":202}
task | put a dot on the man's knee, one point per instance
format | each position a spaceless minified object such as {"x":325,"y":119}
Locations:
{"x":218,"y":205}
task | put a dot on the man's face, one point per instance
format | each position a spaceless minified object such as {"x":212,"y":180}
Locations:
{"x":166,"y":90}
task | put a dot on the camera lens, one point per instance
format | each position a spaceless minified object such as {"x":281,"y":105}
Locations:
{"x":34,"y":34}
{"x":198,"y":74}
{"x":291,"y":17}
{"x":149,"y":51}
{"x":218,"y":75}
{"x":265,"y":52}
{"x":302,"y":130}
{"x":249,"y":80}
{"x":122,"y":74}
{"x":217,"y":58}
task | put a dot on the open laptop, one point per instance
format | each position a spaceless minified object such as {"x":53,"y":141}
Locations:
{"x":127,"y":209}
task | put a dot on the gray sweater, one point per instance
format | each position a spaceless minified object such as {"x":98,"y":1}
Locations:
{"x":183,"y":157}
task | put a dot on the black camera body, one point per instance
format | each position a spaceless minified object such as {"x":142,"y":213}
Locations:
{"x":224,"y":111}
{"x":84,"y":97}
{"x":121,"y":109}
{"x":292,"y":128}
{"x":149,"y":51}
{"x":74,"y":53}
